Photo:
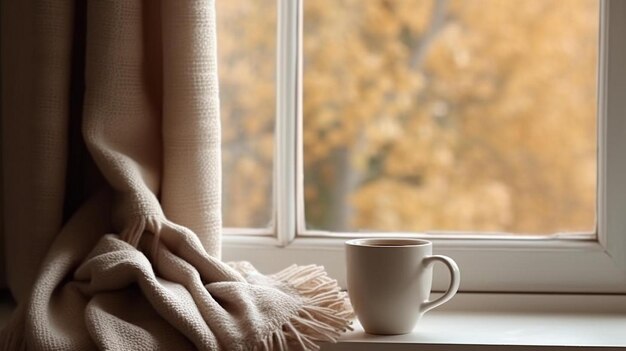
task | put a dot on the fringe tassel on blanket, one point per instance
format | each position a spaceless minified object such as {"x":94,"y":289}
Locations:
{"x":318,"y":320}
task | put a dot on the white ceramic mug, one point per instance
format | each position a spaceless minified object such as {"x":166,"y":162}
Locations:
{"x":389,"y":282}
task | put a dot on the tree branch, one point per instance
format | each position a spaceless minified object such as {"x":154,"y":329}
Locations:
{"x":437,"y":21}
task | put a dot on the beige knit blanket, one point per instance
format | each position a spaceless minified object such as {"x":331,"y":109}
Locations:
{"x":136,"y":266}
{"x":100,"y":292}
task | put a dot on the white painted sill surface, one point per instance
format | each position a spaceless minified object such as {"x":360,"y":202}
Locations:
{"x":509,"y":322}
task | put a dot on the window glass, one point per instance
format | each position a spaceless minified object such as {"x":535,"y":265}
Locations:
{"x":460,"y":115}
{"x":247,"y":69}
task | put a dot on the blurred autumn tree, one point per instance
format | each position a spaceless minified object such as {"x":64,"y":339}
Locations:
{"x":462,"y":115}
{"x":246,"y":37}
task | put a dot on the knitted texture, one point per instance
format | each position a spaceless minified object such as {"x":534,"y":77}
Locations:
{"x":137,"y":266}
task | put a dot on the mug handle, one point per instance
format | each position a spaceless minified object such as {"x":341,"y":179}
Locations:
{"x":455,"y":280}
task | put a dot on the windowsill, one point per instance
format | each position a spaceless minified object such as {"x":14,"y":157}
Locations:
{"x":496,"y":322}
{"x":507,"y":322}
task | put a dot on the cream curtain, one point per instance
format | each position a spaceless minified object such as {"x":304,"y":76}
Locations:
{"x":111,"y":189}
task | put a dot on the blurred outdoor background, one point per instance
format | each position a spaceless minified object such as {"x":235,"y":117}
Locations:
{"x":419,"y":115}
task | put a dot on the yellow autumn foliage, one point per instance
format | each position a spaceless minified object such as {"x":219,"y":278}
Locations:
{"x":440,"y":115}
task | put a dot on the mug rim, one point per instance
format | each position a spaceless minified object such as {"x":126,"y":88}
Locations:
{"x":389,"y":243}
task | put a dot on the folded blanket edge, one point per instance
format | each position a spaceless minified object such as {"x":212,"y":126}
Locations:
{"x":324,"y":314}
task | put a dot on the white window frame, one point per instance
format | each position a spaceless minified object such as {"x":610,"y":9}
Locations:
{"x":555,"y":264}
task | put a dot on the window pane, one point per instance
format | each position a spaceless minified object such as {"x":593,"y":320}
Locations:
{"x":460,"y":115}
{"x":247,"y":68}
